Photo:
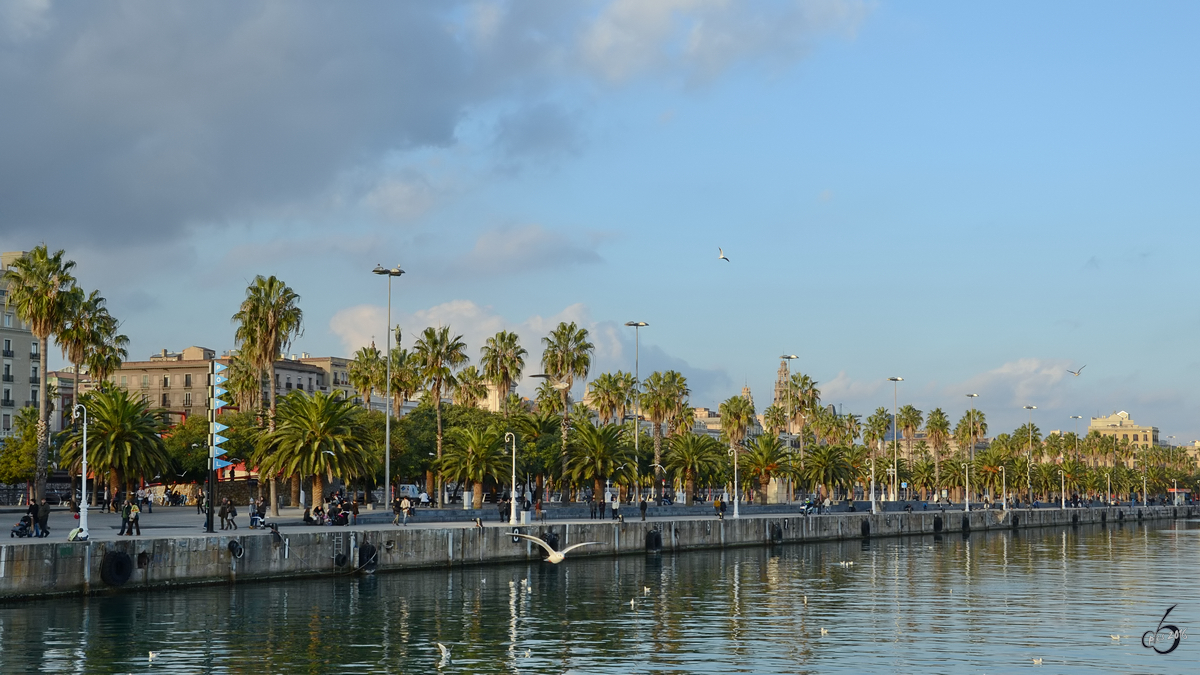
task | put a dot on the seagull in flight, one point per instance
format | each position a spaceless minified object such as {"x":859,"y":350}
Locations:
{"x":445,"y":653}
{"x":555,"y":557}
{"x":721,"y":254}
{"x":1077,"y":372}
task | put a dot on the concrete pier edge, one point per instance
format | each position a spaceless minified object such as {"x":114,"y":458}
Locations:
{"x":58,"y":569}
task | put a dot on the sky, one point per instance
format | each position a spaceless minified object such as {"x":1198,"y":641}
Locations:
{"x":975,"y":197}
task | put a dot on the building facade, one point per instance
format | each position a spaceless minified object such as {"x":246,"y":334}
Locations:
{"x":21,"y":381}
{"x":1120,"y":426}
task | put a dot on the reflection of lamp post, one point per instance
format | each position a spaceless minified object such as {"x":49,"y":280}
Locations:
{"x":637,"y":392}
{"x":1029,"y":462}
{"x":895,"y":448}
{"x":1003,"y":489}
{"x":967,"y":480}
{"x":83,"y":505}
{"x":1063,"y":477}
{"x":387,"y":419}
{"x":512,"y":496}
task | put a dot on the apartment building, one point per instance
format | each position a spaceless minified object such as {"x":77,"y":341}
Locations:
{"x":1120,"y":426}
{"x":20,"y":382}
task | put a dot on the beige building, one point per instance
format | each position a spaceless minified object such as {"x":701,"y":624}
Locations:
{"x":21,"y":381}
{"x":1120,"y":426}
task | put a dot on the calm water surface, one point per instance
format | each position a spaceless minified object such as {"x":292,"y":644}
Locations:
{"x":990,"y":603}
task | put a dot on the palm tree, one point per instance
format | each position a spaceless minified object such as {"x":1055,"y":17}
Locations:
{"x":692,"y":455}
{"x":83,"y":328}
{"x":659,"y":401}
{"x":875,"y":433}
{"x":937,"y":430}
{"x":605,"y":395}
{"x":503,"y":362}
{"x":320,"y":435}
{"x":469,"y":387}
{"x":475,"y":455}
{"x":596,"y":454}
{"x":775,"y":419}
{"x":737,"y":414}
{"x":106,"y":356}
{"x":267,"y":321}
{"x":40,"y":289}
{"x":766,"y":458}
{"x":244,"y":382}
{"x":123,"y":438}
{"x":566,"y":355}
{"x":805,"y":401}
{"x":827,"y":466}
{"x":406,"y":378}
{"x":367,"y":372}
{"x":439,"y":354}
{"x":909,"y":420}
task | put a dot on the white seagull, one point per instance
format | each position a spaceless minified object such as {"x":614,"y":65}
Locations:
{"x":555,"y":557}
{"x":721,"y":254}
{"x":445,"y":653}
{"x":153,"y":655}
{"x":1077,"y":372}
{"x":645,"y":590}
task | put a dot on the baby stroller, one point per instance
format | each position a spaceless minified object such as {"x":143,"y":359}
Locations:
{"x":23,"y":528}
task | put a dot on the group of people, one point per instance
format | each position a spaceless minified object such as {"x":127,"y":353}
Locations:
{"x":340,"y":512}
{"x":39,"y":514}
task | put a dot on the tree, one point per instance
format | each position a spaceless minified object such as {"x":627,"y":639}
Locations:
{"x":737,"y":414}
{"x":766,"y":458}
{"x":244,"y":382}
{"x":85,"y":323}
{"x":123,"y":439}
{"x":18,"y":452}
{"x":875,"y":433}
{"x":475,"y":454}
{"x":40,"y":289}
{"x":566,"y":355}
{"x":470,"y":386}
{"x":661,"y":399}
{"x":367,"y":373}
{"x":937,"y":430}
{"x":605,"y":395}
{"x":826,"y":466}
{"x":406,"y":378}
{"x":503,"y":362}
{"x":692,"y":456}
{"x":267,"y":321}
{"x":804,"y":401}
{"x":909,"y":420}
{"x":775,"y":419}
{"x":439,"y":355}
{"x":320,"y":435}
{"x":596,"y":454}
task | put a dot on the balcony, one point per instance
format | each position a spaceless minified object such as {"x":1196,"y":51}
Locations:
{"x":8,"y":354}
{"x":7,"y":378}
{"x":34,"y":379}
{"x":31,"y":404}
{"x":33,"y":355}
{"x":7,"y":403}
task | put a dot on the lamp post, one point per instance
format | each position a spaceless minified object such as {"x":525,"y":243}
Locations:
{"x":1029,"y":458}
{"x":1076,"y":418}
{"x":637,"y":392}
{"x":83,"y":502}
{"x":1063,"y":493}
{"x":387,"y":419}
{"x":1003,"y":489}
{"x":510,"y":437}
{"x":896,"y":448}
{"x":967,"y":482}
{"x":1108,"y":487}
{"x":787,"y":396}
{"x":737,"y":488}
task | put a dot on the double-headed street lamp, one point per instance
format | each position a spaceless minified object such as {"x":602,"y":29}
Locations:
{"x":83,"y":505}
{"x":387,"y":423}
{"x":510,"y":437}
{"x":896,"y":443}
{"x":1029,"y":458}
{"x":637,"y":327}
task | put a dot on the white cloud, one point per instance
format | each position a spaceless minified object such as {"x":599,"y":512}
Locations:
{"x":24,"y":19}
{"x":521,"y":248}
{"x":403,"y":196}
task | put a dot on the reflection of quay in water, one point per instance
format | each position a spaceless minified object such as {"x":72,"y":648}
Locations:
{"x":931,"y":604}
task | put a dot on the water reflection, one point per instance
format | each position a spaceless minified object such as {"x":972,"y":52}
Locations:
{"x":989,"y":601}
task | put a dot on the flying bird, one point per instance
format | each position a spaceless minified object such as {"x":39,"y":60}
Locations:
{"x":1077,"y":372}
{"x":1037,"y":662}
{"x":824,"y":631}
{"x":721,"y":254}
{"x":645,"y":590}
{"x":631,"y":601}
{"x":445,"y":652}
{"x":153,"y":655}
{"x":555,"y":557}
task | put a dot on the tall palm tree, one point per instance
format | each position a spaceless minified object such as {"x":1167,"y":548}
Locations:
{"x":474,"y":455}
{"x":123,"y":438}
{"x":244,"y":382}
{"x":469,"y":387}
{"x":407,"y":378}
{"x":775,"y":419}
{"x":737,"y":415}
{"x":827,"y":466}
{"x":503,"y":362}
{"x":692,"y":456}
{"x":876,"y":432}
{"x":367,"y":372}
{"x":658,"y":401}
{"x":320,"y":435}
{"x":566,"y":355}
{"x":910,"y":420}
{"x":267,"y":321}
{"x":805,"y":401}
{"x":596,"y":454}
{"x":766,"y":458}
{"x":106,"y":357}
{"x":439,"y":354}
{"x":82,"y":329}
{"x":937,"y":430}
{"x":605,"y":395}
{"x":40,"y":289}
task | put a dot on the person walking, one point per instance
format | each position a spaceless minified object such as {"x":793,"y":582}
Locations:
{"x":537,"y":511}
{"x":43,"y":517}
{"x":134,"y":520}
{"x":406,"y":508}
{"x":616,"y":506}
{"x":126,"y":509}
{"x":231,"y":515}
{"x":592,"y":507}
{"x":642,"y":507}
{"x":396,"y":508}
{"x":223,"y":513}
{"x":32,"y":512}
{"x":354,"y":512}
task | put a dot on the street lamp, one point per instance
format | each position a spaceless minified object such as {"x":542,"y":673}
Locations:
{"x":1003,"y":489}
{"x":967,"y":481}
{"x":83,"y":505}
{"x":1076,"y":418}
{"x":1063,"y":495}
{"x":896,"y":447}
{"x":1029,"y":459}
{"x":974,"y":425}
{"x":510,"y":437}
{"x":737,"y":488}
{"x":387,"y":420}
{"x":637,"y":392}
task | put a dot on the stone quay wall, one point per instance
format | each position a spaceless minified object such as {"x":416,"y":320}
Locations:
{"x":35,"y":570}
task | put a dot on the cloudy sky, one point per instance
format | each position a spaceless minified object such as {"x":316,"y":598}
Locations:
{"x":974,"y":196}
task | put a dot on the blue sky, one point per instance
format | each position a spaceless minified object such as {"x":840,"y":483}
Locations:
{"x":974,"y":196}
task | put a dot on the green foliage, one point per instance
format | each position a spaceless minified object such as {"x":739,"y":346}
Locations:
{"x":123,"y":439}
{"x":414,"y":436}
{"x":18,"y":453}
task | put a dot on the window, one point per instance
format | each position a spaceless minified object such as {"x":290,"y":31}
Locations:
{"x":187,"y":380}
{"x":145,"y":381}
{"x":166,"y":381}
{"x":166,"y":400}
{"x":33,"y":349}
{"x":1125,"y":437}
{"x":33,"y":396}
{"x":310,"y":384}
{"x":8,"y":320}
{"x":8,"y":345}
{"x":7,"y":369}
{"x":289,"y":382}
{"x":187,"y":399}
{"x":7,"y":422}
{"x":124,"y":380}
{"x":7,"y":394}
{"x":33,"y":371}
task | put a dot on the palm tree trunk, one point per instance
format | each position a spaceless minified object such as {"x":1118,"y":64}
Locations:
{"x":318,"y":495}
{"x":689,"y":483}
{"x":566,"y":427}
{"x":657,"y":458}
{"x":477,"y":502}
{"x":43,"y":450}
{"x":437,"y":404}
{"x":295,"y":500}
